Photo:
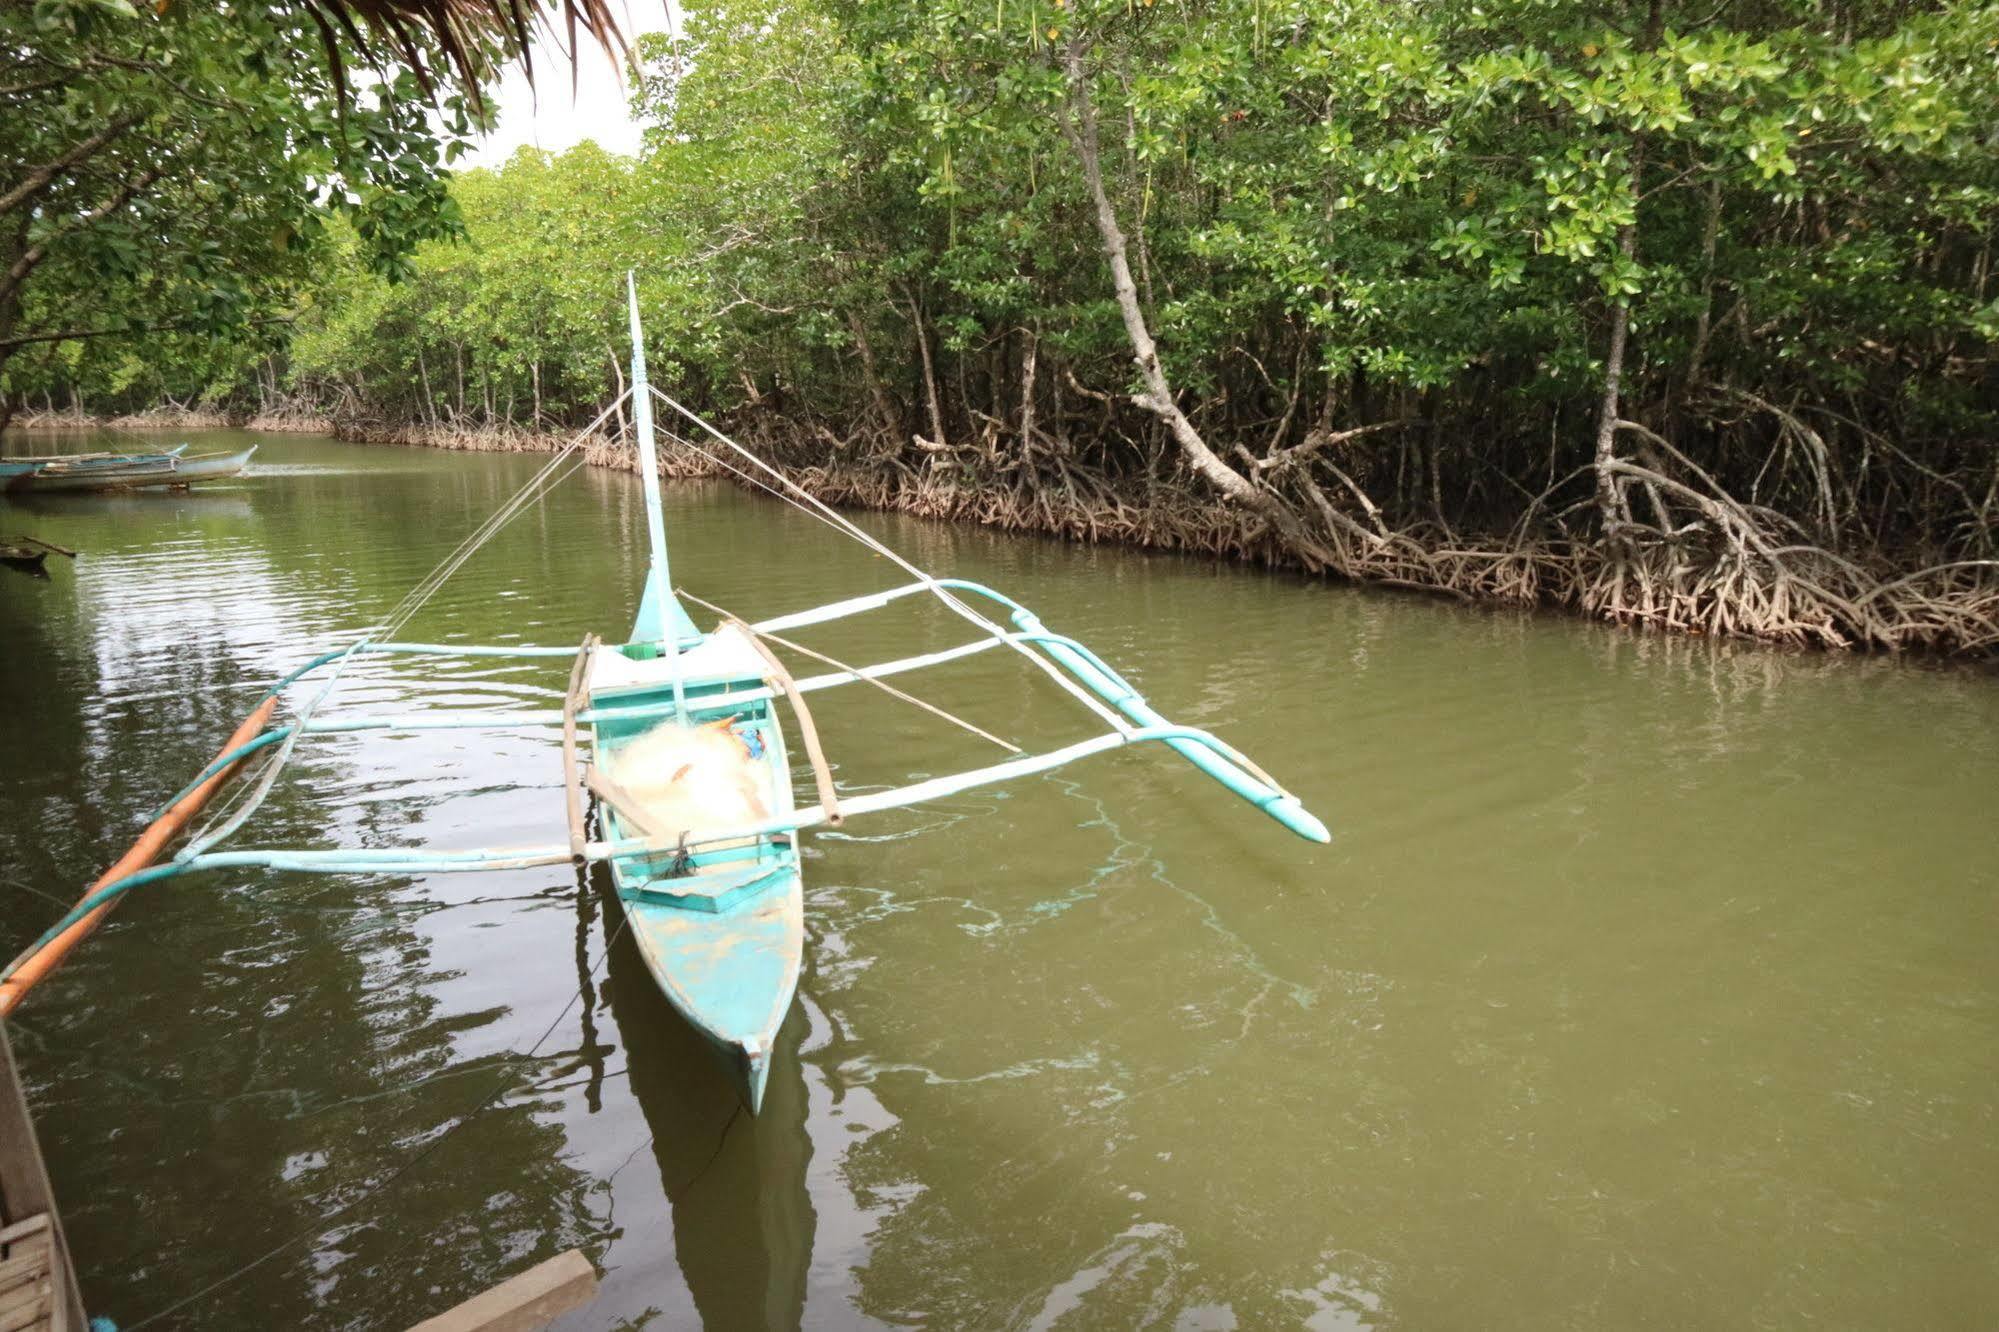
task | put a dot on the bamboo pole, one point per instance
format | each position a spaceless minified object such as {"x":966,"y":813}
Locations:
{"x":775,"y":672}
{"x":37,"y":967}
{"x":571,"y":781}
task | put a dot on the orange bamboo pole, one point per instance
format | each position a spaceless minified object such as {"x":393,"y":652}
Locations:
{"x":162,"y":830}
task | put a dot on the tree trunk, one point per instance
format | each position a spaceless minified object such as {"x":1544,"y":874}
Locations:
{"x":1710,"y":235}
{"x":618,"y":371}
{"x":929,"y":372}
{"x":429,"y":399}
{"x":1610,"y":506}
{"x":1610,"y":503}
{"x":876,"y":393}
{"x":1158,"y":397}
{"x":1029,"y":356}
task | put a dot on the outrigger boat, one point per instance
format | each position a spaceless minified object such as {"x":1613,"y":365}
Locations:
{"x":30,"y":554}
{"x":716,"y":909}
{"x":167,"y":470}
{"x":19,"y":471}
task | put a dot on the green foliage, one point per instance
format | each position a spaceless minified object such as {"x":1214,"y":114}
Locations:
{"x":1338,"y":213}
{"x":174,"y":167}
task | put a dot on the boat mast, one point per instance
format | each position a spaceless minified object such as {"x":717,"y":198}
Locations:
{"x":659,"y":585}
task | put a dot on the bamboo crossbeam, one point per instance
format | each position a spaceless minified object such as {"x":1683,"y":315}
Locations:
{"x":1235,"y":771}
{"x":471,"y":720}
{"x":530,"y":650}
{"x":839,"y":610}
{"x":1232,"y":769}
{"x":406,"y":860}
{"x":572,"y":787}
{"x":1277,"y":804}
{"x":853,"y":673}
{"x":467,"y":720}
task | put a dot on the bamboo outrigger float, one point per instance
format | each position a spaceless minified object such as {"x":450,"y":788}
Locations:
{"x":717,"y":910}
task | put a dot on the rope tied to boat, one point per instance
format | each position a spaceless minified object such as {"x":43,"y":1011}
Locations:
{"x":854,"y":671}
{"x":800,"y":498}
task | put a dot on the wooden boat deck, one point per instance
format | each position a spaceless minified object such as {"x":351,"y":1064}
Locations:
{"x":29,"y":1277}
{"x":37,"y":1286}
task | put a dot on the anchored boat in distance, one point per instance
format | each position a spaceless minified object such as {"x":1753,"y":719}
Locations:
{"x":174,"y":468}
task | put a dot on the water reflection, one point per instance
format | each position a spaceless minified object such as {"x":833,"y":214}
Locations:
{"x":736,"y":1184}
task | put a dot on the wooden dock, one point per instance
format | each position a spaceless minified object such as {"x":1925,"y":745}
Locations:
{"x":38,"y":1291}
{"x":37,"y":1281}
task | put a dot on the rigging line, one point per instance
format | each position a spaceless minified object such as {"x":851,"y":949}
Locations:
{"x":423,"y":587}
{"x":854,"y":671}
{"x":1115,"y":721}
{"x":536,"y":488}
{"x":749,"y":479}
{"x":392,"y":628}
{"x":330,"y":1221}
{"x":484,"y":531}
{"x":255,"y":795}
{"x":842,"y":526}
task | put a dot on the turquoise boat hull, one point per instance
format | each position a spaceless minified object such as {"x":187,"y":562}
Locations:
{"x":721,"y":930}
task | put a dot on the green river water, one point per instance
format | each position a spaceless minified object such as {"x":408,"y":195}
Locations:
{"x":1647,"y":983}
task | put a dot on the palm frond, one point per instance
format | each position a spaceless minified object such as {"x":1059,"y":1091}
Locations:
{"x":415,"y":32}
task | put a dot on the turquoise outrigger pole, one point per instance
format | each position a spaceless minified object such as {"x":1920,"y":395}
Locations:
{"x":717,"y":911}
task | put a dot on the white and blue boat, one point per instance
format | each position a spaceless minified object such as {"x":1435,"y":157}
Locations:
{"x":20,"y":471}
{"x":172,"y":470}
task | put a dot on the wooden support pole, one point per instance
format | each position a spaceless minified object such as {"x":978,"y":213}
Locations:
{"x":627,"y":808}
{"x":26,"y":1198}
{"x":571,"y":782}
{"x":775,"y":673}
{"x":525,"y":1303}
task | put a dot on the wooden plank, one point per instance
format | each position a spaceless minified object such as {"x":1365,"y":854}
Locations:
{"x":20,"y":1230}
{"x":24,"y":1262}
{"x":27,"y":1303}
{"x":26,"y":1292}
{"x":525,"y":1303}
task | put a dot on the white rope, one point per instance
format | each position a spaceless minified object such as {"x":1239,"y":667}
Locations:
{"x":535,"y":489}
{"x":839,"y":665}
{"x":804,"y":499}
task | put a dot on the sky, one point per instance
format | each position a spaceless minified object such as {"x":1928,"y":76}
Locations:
{"x":557,"y":116}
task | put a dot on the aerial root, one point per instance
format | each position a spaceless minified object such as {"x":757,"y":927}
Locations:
{"x":1705,"y":564}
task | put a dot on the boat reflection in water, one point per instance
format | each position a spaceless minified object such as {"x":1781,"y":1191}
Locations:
{"x":743,"y":1220}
